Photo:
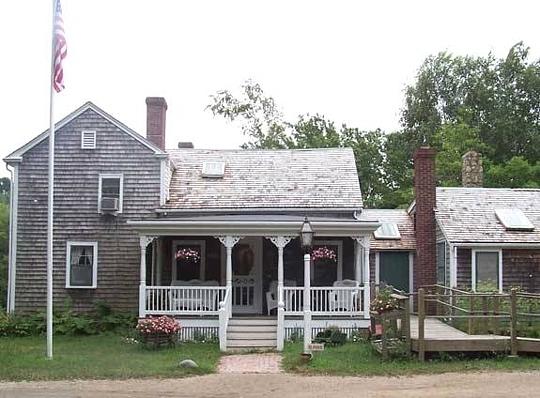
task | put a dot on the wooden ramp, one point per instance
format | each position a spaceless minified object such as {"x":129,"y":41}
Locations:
{"x":438,"y":336}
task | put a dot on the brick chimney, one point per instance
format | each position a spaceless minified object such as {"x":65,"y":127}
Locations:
{"x":156,"y":109}
{"x":472,"y":172}
{"x":425,"y":272}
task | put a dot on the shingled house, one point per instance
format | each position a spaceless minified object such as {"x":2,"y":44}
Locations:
{"x":204,"y":235}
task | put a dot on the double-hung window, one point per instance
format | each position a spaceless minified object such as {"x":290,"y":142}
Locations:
{"x":487,"y":270}
{"x":81,"y":265}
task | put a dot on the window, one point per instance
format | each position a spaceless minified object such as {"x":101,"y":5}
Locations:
{"x":188,"y":259}
{"x":81,"y":265}
{"x":88,"y":139}
{"x":213,"y":169}
{"x":441,"y":263}
{"x":324,"y":272}
{"x":514,"y":219}
{"x":486,"y":270}
{"x":111,"y":187}
{"x":387,"y":230}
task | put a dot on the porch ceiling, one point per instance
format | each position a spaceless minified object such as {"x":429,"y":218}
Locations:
{"x":253,"y":225}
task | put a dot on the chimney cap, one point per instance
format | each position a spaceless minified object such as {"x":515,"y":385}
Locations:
{"x":185,"y":145}
{"x":159,"y":101}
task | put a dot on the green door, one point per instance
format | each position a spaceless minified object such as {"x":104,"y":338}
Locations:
{"x":394,"y":269}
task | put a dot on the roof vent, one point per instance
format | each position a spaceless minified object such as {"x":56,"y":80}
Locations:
{"x":388,"y":230}
{"x":514,"y":219}
{"x":213,"y":169}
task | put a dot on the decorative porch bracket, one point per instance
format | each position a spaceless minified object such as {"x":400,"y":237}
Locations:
{"x":280,"y":242}
{"x":362,"y":252}
{"x":144,"y":241}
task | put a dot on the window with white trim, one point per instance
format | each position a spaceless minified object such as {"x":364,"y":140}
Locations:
{"x":81,"y":265}
{"x":188,"y":259}
{"x":486,"y":270}
{"x":387,"y":230}
{"x":328,"y":267}
{"x":111,"y":195}
{"x":441,"y":263}
{"x":88,"y":139}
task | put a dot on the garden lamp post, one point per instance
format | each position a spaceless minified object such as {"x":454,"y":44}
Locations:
{"x":306,"y":240}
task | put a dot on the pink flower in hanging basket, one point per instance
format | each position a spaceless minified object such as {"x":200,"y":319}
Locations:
{"x":324,"y":253}
{"x":188,"y":254}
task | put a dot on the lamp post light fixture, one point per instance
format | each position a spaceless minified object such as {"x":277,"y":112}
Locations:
{"x":306,"y":235}
{"x":306,"y":240}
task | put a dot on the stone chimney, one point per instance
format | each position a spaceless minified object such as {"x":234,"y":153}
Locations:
{"x":472,"y":172}
{"x":425,"y":272}
{"x":156,"y":109}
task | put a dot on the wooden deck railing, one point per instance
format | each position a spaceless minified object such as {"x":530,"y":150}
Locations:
{"x":325,"y":300}
{"x":490,"y":313}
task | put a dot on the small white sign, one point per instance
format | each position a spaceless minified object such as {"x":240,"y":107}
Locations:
{"x":316,"y":347}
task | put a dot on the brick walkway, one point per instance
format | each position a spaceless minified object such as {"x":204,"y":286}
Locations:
{"x":250,"y":363}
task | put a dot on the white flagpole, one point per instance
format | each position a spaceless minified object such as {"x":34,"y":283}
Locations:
{"x":50,"y":205}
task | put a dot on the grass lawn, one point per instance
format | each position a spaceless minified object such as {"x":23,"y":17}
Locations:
{"x":360,"y":359}
{"x":98,"y":357}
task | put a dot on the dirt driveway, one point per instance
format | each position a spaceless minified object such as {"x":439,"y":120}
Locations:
{"x":283,"y":385}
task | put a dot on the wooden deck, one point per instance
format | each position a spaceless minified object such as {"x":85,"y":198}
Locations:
{"x":439,"y":336}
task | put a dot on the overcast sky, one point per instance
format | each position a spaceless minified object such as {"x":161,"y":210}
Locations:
{"x":349,"y":60}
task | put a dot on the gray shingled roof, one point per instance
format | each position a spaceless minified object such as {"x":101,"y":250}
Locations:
{"x":405,"y":225}
{"x":468,"y":214}
{"x":303,"y":178}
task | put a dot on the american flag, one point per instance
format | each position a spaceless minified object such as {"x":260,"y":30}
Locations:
{"x":60,"y":48}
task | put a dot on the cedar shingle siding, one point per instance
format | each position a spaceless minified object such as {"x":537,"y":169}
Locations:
{"x":76,"y":216}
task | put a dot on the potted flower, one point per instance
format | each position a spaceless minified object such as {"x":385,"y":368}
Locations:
{"x":188,"y":254}
{"x":384,"y":302}
{"x":324,"y":254}
{"x":158,"y":331}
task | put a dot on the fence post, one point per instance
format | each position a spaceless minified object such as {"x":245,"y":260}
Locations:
{"x":471,"y":312}
{"x":421,"y":331}
{"x":513,"y":322}
{"x":407,"y":323}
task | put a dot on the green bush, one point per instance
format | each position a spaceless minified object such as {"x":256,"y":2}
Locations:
{"x":66,"y":322}
{"x":331,"y":336}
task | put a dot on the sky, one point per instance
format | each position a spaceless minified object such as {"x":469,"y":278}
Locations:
{"x":348,"y":60}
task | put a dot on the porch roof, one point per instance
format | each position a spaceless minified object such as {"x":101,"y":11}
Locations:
{"x":254,"y":225}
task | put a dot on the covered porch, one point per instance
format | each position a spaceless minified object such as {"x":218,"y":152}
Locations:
{"x":212,"y":269}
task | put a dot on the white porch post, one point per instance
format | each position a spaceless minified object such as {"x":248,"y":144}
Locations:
{"x":280,"y":242}
{"x":357,"y":262}
{"x":144,"y":241}
{"x":159,"y":261}
{"x":364,"y":242}
{"x":229,"y":242}
{"x":307,"y":302}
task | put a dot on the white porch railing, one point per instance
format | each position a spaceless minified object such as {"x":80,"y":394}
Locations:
{"x":183,"y":300}
{"x":325,"y":300}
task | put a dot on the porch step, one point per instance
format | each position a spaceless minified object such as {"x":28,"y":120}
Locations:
{"x":252,"y":322}
{"x":252,"y":333}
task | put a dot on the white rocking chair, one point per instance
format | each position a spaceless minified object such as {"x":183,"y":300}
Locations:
{"x":344,"y":300}
{"x":271,"y":294}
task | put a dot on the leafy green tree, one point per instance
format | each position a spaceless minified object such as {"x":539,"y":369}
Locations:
{"x":516,"y":173}
{"x":4,"y":238}
{"x":5,"y":184}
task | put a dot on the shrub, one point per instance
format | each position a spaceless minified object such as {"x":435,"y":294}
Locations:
{"x":331,"y":336}
{"x":155,"y":332}
{"x":384,"y":301}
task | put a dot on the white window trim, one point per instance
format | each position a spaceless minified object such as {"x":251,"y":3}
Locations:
{"x":339,"y":268}
{"x":69,"y":244}
{"x":202,"y":268}
{"x":93,"y":132}
{"x":500,"y":266}
{"x":121,"y":199}
{"x":411,"y":268}
{"x":445,"y":261}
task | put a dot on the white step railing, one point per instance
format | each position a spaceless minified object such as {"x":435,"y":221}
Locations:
{"x":225,"y":313}
{"x":183,"y":300}
{"x":325,"y":300}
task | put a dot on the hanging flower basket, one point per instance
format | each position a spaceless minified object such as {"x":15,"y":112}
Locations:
{"x":324,"y":254}
{"x":189,"y":255}
{"x":156,"y":332}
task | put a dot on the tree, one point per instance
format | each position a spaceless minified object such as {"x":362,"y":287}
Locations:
{"x":5,"y":186}
{"x":4,"y":234}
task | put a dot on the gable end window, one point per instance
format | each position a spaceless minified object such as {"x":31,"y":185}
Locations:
{"x":81,"y":265}
{"x":111,"y":195}
{"x":88,"y":139}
